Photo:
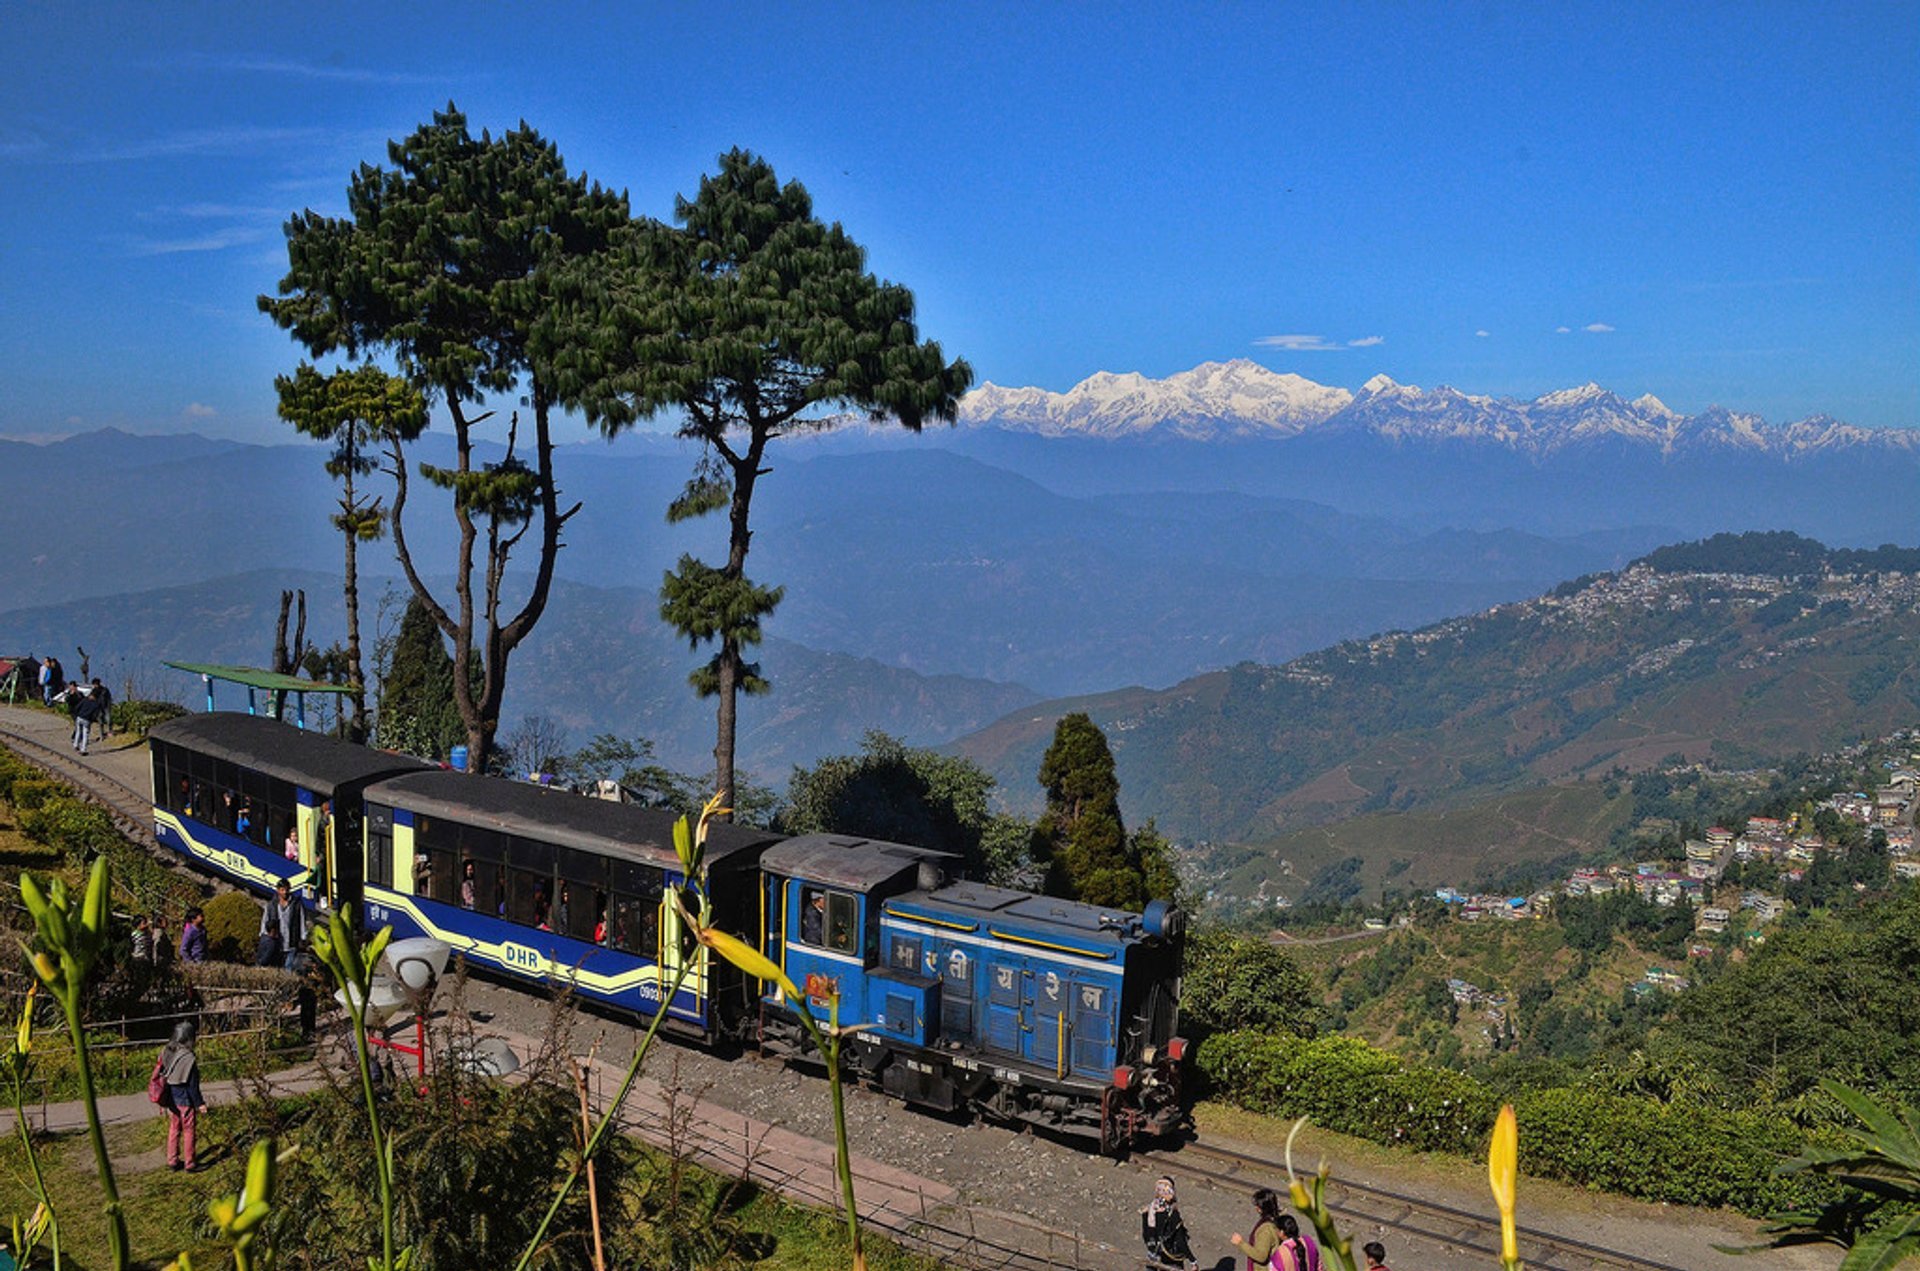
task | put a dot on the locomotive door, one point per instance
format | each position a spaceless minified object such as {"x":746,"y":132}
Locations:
{"x":1052,"y":999}
{"x":1092,"y":1033}
{"x":1003,"y":1007}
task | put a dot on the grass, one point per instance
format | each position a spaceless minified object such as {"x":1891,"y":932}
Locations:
{"x":1409,"y":851}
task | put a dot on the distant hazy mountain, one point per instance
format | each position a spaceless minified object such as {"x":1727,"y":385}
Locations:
{"x":1242,"y":399}
{"x":915,"y":557}
{"x":1735,"y":650}
{"x":600,"y":661}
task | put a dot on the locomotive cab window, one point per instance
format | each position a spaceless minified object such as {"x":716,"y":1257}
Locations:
{"x":829,"y":920}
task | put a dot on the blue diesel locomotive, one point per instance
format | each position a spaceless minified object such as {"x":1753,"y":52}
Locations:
{"x":1019,"y":1007}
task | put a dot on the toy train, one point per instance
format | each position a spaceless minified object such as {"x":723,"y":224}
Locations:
{"x":1022,"y":1008}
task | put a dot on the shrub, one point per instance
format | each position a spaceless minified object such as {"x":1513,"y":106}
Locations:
{"x":140,"y":717}
{"x":1234,"y":982}
{"x":13,"y":768}
{"x":233,"y":926}
{"x":1683,"y":1154}
{"x":28,"y":793}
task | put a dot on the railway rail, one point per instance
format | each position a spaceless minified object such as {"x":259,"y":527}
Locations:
{"x":1410,"y":1215}
{"x":131,"y":809}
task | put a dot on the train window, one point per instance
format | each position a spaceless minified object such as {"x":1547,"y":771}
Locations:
{"x":829,"y":920}
{"x":530,"y":883}
{"x":436,"y":874}
{"x":379,"y":856}
{"x":582,"y":896}
{"x":636,"y":923}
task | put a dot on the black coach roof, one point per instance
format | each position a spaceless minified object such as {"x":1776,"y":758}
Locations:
{"x":548,"y":815}
{"x":313,"y":760}
{"x":844,"y":861}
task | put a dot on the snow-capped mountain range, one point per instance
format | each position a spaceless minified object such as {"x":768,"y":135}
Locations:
{"x":1242,"y":399}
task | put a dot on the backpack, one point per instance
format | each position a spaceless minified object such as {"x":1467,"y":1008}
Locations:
{"x":156,"y":1084}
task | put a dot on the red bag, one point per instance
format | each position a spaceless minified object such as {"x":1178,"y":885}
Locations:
{"x":156,"y":1085}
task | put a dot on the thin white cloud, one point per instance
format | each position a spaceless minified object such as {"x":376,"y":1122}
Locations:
{"x":1483,"y":333}
{"x":1366,"y":341}
{"x":1598,"y":328}
{"x":203,"y":141}
{"x":1299,"y":343}
{"x":216,"y":241}
{"x":292,"y":69}
{"x":199,"y":410}
{"x":1562,"y":330}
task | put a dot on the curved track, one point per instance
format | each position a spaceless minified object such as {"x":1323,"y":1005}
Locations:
{"x":1410,"y":1215}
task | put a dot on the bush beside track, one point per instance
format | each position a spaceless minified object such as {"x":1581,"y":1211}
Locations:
{"x":1680,"y":1154}
{"x":51,"y":816}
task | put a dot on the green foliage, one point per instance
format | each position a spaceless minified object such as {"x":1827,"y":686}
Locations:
{"x":703,"y":603}
{"x":233,"y":926}
{"x":1828,"y":995}
{"x":750,"y":320}
{"x":905,"y":794}
{"x":1677,"y":1153}
{"x":1879,"y":1220}
{"x":1080,"y":838}
{"x":1232,"y":982}
{"x":473,"y":1153}
{"x":137,"y":718}
{"x":417,"y":710}
{"x":50,"y":814}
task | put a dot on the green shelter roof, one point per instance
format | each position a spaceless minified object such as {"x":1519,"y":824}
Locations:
{"x":254,"y":677}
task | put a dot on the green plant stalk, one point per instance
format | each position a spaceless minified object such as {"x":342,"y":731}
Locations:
{"x":33,"y":1164}
{"x":117,"y":1246}
{"x":607,"y":1118}
{"x":381,"y":1160}
{"x":842,"y":1161}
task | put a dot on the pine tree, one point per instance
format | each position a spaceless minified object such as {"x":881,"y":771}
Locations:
{"x":354,"y":410}
{"x":751,"y":320}
{"x":417,"y":713}
{"x":1081,"y":837}
{"x":448,"y":262}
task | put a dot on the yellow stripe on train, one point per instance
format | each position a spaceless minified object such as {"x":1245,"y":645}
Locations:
{"x":226,"y":860}
{"x":520,"y":958}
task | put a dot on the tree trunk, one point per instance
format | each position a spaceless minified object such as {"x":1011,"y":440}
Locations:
{"x":730,"y":662}
{"x":357,"y":731}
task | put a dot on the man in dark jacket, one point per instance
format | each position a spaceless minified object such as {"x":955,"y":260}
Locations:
{"x":286,"y":918}
{"x":103,"y":698}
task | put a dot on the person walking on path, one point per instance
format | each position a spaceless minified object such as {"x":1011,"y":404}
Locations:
{"x":193,"y":937}
{"x":179,"y":1070}
{"x":1265,"y":1239}
{"x":1163,"y":1230}
{"x":103,"y":702}
{"x":286,"y":920}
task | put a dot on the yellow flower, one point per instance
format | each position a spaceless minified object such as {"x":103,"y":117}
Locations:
{"x":1503,"y":1165}
{"x":23,"y":1041}
{"x":747,"y":958}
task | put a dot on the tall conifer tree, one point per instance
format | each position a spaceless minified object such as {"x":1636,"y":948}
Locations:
{"x":751,"y":320}
{"x":1081,"y":838}
{"x":446,"y":262}
{"x":357,"y":411}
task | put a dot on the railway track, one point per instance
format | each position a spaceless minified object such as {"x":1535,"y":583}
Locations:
{"x":1360,"y":1203}
{"x":131,"y":810}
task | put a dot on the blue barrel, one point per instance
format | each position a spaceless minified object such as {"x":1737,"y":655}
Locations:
{"x":458,"y":758}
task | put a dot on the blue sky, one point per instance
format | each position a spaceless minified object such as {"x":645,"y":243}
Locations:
{"x":1731,"y":191}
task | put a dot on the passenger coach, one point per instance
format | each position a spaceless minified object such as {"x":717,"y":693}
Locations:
{"x":548,"y":886}
{"x":229,"y":789}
